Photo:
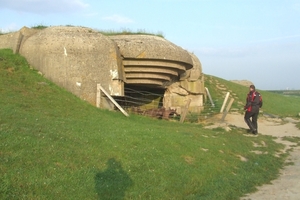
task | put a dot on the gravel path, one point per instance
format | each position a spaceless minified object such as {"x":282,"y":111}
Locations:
{"x":287,"y":186}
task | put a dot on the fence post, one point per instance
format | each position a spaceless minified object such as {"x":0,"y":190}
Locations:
{"x":186,"y":108}
{"x":225,"y":101}
{"x":209,"y":96}
{"x":227,"y":109}
{"x":114,"y":102}
{"x":98,"y":98}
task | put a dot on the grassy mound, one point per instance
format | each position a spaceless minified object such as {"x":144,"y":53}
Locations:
{"x":56,"y":146}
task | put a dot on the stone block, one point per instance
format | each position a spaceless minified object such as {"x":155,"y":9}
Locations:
{"x":194,"y":87}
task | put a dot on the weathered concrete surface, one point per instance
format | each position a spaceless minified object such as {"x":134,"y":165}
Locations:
{"x":177,"y":102}
{"x":195,"y":73}
{"x":77,"y":59}
{"x":13,"y":40}
{"x":193,"y":87}
{"x":9,"y":41}
{"x":151,"y":47}
{"x":176,"y":97}
{"x":190,"y":86}
{"x":193,"y":80}
{"x":160,"y":59}
{"x":152,"y":60}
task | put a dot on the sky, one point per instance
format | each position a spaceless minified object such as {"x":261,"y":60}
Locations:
{"x":255,"y":40}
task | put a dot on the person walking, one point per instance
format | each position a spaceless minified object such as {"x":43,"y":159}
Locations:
{"x":253,"y":104}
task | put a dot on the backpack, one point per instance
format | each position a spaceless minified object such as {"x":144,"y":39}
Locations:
{"x":260,"y":104}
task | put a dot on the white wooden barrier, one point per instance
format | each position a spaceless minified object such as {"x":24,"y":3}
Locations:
{"x":98,"y":100}
{"x":209,"y":96}
{"x":225,"y":101}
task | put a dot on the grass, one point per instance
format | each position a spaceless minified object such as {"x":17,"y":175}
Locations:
{"x":124,"y":31}
{"x":295,"y":93}
{"x":130,"y":32}
{"x":293,"y":139}
{"x":298,"y":125}
{"x":56,"y":146}
{"x":39,"y":26}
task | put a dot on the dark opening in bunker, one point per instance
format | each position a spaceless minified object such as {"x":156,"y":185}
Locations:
{"x":141,"y":97}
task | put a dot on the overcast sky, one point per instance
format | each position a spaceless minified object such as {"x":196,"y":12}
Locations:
{"x":256,"y":40}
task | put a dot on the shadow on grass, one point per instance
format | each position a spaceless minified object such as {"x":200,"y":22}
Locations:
{"x":113,"y":182}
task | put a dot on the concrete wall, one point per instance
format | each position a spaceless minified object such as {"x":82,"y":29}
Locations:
{"x":9,"y":41}
{"x":13,"y":40}
{"x":77,"y":59}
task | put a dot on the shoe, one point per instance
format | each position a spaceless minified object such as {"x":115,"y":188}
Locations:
{"x":254,"y":132}
{"x":249,"y":131}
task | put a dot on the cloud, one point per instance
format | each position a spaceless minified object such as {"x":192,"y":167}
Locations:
{"x":9,"y":28}
{"x":118,"y":19}
{"x":44,"y":6}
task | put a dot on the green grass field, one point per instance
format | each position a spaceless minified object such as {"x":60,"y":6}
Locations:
{"x":56,"y":146}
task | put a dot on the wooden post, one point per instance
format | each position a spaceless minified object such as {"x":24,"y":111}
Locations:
{"x":98,"y":98}
{"x":114,"y":102}
{"x":186,"y":108}
{"x":209,"y":96}
{"x":227,"y":109}
{"x":225,"y":101}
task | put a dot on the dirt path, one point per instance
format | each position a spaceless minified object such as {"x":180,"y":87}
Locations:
{"x":287,"y":186}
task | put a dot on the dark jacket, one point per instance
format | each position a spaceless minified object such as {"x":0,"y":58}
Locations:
{"x":253,"y":102}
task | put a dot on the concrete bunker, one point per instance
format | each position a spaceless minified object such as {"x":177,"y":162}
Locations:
{"x":78,"y":59}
